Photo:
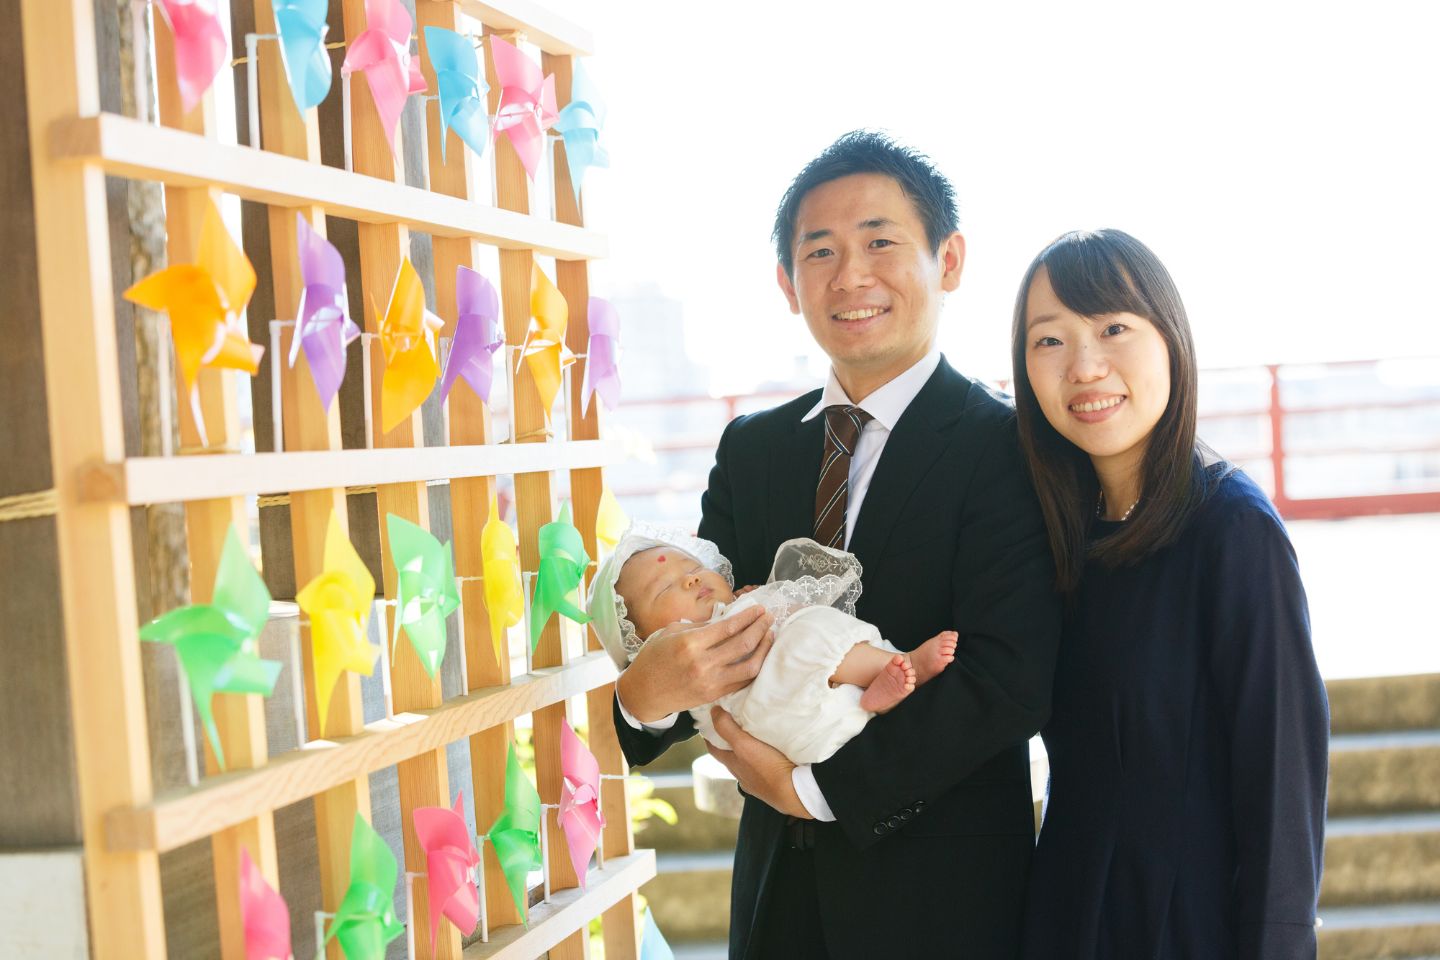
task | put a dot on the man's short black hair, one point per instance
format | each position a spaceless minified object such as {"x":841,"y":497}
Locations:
{"x":867,"y":151}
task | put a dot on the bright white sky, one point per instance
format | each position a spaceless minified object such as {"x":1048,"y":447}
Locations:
{"x":1283,"y":160}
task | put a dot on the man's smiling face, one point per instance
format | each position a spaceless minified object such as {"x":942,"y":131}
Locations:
{"x":867,"y":279}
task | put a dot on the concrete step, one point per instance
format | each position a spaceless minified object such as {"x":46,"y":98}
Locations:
{"x":677,"y":759}
{"x":1390,"y":772}
{"x":1392,"y":858}
{"x":691,"y":896}
{"x":713,"y":950}
{"x":697,"y":830}
{"x":1400,"y":931}
{"x":1371,"y":704}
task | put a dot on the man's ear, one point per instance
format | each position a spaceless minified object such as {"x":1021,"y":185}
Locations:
{"x":952,"y":261}
{"x":787,"y":287}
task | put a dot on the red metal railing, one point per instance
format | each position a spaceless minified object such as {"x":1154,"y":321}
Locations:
{"x":1274,"y":421}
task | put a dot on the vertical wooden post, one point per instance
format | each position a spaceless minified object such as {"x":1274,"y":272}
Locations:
{"x":239,"y":718}
{"x":586,"y":486}
{"x":424,"y":780}
{"x":308,"y":426}
{"x":533,"y":498}
{"x":469,"y":423}
{"x":97,"y":576}
{"x":1277,"y":437}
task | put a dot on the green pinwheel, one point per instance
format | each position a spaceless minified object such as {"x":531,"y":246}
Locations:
{"x":425,"y":590}
{"x":562,"y":569}
{"x":365,"y":921}
{"x":217,"y":641}
{"x":516,"y":833}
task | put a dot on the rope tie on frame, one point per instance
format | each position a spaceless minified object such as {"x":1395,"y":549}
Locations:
{"x":27,"y":506}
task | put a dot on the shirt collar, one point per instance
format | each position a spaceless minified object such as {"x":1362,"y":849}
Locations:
{"x":889,"y":402}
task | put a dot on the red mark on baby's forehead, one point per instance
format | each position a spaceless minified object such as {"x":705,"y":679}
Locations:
{"x":660,"y":559}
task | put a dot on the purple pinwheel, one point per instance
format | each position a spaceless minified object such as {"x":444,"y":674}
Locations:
{"x":478,"y":335}
{"x":602,"y":373}
{"x":324,"y":325}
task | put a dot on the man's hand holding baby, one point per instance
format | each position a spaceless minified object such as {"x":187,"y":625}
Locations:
{"x":684,"y":668}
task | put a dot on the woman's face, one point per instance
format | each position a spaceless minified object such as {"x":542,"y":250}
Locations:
{"x":1102,"y":382}
{"x":663,"y":585}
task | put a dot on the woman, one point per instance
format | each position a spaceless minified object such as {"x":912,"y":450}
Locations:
{"x":1189,"y":734}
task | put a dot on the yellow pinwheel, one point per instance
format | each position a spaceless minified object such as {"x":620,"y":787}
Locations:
{"x":338,"y":604}
{"x":204,"y":301}
{"x":504,"y":594}
{"x":544,"y":350}
{"x":407,"y":334}
{"x":610,"y":521}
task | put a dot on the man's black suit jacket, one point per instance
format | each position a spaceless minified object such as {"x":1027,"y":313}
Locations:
{"x":931,"y":848}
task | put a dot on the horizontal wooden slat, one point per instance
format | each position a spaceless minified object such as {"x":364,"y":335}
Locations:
{"x":146,"y":480}
{"x":140,"y":151}
{"x":182,"y":816}
{"x":549,"y":32}
{"x":568,"y":910}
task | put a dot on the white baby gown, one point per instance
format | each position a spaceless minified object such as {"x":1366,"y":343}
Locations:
{"x":790,"y":704}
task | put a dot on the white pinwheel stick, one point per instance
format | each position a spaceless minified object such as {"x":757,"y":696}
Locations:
{"x":187,"y":724}
{"x":480,"y":880}
{"x":545,"y":845}
{"x":277,"y":421}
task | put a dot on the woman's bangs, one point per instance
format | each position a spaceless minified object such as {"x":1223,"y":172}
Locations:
{"x":1091,"y":279}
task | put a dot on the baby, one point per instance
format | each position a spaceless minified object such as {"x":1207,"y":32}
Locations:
{"x":827,"y":673}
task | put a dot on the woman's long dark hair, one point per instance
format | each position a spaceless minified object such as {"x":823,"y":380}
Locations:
{"x":1093,"y":274}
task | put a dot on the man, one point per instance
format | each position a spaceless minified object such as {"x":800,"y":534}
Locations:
{"x":913,"y":840}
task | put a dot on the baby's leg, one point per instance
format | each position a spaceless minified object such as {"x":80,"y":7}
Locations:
{"x":887,"y":678}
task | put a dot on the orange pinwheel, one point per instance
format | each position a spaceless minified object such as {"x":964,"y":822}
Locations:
{"x":544,"y":350}
{"x":204,"y":301}
{"x":407,"y":334}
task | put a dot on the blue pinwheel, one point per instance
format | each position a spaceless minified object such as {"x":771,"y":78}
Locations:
{"x":579,"y":125}
{"x":457,"y":74}
{"x":302,"y":28}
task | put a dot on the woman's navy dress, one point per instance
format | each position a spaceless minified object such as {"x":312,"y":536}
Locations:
{"x":1188,"y":747}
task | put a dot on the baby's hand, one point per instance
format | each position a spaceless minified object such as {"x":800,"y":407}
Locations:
{"x":744,"y":590}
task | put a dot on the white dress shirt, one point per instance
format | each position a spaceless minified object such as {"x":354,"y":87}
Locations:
{"x":885,"y":407}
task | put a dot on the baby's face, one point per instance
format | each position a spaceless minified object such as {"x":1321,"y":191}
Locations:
{"x":663,"y":585}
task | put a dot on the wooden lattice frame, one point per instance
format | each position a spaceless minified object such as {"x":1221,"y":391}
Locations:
{"x":125,"y":825}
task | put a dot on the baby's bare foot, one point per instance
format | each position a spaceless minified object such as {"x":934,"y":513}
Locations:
{"x":934,"y":655}
{"x":890,"y":686}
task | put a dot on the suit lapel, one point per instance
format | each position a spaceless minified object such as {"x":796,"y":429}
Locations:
{"x":914,"y":445}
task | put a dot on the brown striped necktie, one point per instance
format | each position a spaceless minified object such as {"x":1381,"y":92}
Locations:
{"x":842,"y":431}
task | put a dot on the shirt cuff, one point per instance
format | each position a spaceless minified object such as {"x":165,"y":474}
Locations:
{"x":803,"y":777}
{"x":657,"y":727}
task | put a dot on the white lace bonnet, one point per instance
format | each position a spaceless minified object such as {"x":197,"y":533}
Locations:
{"x":610,"y":619}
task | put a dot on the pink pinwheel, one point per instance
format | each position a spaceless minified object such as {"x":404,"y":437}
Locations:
{"x":324,"y":326}
{"x":580,"y":815}
{"x":527,"y":104}
{"x":200,"y":46}
{"x":602,"y":372}
{"x":383,"y":53}
{"x":264,"y":914}
{"x":450,"y":862}
{"x":478,"y":334}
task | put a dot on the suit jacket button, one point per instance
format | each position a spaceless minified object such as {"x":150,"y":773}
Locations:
{"x":880,"y":829}
{"x":906,"y":814}
{"x":919,"y":805}
{"x":893,"y":823}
